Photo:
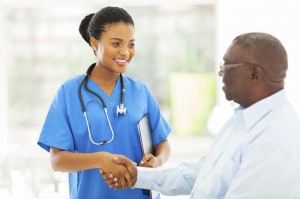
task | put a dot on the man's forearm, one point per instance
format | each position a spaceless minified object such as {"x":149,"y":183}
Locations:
{"x":166,"y":180}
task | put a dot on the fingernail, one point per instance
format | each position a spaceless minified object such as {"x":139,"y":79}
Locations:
{"x":142,"y":162}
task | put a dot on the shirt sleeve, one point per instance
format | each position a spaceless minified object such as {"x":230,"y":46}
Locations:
{"x":177,"y":180}
{"x":56,"y":131}
{"x":265,"y":177}
{"x":159,"y":126}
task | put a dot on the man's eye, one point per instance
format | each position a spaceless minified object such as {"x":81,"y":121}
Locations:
{"x":132,"y":45}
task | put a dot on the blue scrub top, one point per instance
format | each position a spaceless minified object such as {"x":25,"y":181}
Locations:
{"x":65,"y":128}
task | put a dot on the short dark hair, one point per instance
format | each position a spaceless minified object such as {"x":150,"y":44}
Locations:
{"x":264,"y":48}
{"x":267,"y":51}
{"x":93,"y":25}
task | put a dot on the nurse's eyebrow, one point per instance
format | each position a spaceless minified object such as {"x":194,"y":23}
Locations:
{"x":121,"y":39}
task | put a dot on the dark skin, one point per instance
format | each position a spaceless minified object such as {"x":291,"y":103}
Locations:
{"x":257,"y":82}
{"x":112,"y":181}
{"x":66,"y":161}
{"x":246,"y":84}
{"x":148,"y":160}
{"x":114,"y":52}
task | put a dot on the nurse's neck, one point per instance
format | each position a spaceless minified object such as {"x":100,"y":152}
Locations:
{"x":105,"y":79}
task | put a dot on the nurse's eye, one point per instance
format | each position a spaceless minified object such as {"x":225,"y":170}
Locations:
{"x":116,"y":44}
{"x":132,"y":45}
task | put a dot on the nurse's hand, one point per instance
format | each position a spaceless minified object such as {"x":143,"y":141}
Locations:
{"x":125,"y":174}
{"x":110,"y":180}
{"x":150,"y":161}
{"x":113,"y":181}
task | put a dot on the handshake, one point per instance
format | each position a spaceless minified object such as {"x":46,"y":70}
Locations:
{"x":119,"y":172}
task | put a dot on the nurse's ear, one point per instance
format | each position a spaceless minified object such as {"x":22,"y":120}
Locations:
{"x":94,"y":44}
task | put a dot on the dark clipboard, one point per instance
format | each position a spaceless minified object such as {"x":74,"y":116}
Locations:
{"x":147,"y":145}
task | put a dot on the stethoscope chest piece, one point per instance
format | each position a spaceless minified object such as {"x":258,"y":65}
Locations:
{"x":121,"y":109}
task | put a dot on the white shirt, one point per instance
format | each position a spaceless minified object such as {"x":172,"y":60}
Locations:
{"x":256,"y":155}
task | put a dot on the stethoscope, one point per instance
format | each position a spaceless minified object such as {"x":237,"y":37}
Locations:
{"x":120,"y":108}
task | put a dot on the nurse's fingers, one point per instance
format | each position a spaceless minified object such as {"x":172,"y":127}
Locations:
{"x":110,"y":180}
{"x":112,"y":183}
{"x":109,"y":177}
{"x":146,"y":159}
{"x":130,"y":166}
{"x":105,"y":175}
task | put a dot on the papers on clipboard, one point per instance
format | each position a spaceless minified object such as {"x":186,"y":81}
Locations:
{"x":145,"y":133}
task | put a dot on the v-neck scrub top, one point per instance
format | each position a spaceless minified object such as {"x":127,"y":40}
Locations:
{"x":65,"y":128}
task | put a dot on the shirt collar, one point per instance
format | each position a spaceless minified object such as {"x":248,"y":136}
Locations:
{"x":255,"y":112}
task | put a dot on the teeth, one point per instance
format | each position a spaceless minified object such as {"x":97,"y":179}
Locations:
{"x":121,"y":60}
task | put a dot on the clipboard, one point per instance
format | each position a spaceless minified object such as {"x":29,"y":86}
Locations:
{"x":145,"y":133}
{"x":147,"y":145}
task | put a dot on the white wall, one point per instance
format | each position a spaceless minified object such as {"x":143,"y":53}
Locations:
{"x":3,"y":85}
{"x":280,"y":18}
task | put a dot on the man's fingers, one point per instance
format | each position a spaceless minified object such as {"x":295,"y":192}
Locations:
{"x":132,"y":170}
{"x":121,"y":160}
{"x":123,"y":183}
{"x":122,"y":175}
{"x":129,"y":180}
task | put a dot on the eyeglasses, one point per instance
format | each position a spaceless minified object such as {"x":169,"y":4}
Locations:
{"x":225,"y":67}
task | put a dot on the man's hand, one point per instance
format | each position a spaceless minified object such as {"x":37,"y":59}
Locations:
{"x":121,"y":172}
{"x":130,"y":174}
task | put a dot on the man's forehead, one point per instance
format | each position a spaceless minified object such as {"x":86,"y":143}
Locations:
{"x":235,"y":52}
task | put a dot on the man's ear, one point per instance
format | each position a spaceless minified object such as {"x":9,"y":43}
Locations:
{"x":257,"y":73}
{"x":94,"y":43}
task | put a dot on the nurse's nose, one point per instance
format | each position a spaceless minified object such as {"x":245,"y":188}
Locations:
{"x":124,"y":51}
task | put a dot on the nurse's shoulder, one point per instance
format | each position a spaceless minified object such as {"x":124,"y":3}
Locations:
{"x":71,"y":84}
{"x":133,"y":83}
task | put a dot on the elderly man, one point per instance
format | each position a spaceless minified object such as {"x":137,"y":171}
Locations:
{"x":256,"y":155}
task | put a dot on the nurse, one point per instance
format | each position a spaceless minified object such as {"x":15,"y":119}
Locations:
{"x":94,"y":117}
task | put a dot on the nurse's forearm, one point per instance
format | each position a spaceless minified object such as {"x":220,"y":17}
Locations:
{"x":66,"y":161}
{"x":162,"y":152}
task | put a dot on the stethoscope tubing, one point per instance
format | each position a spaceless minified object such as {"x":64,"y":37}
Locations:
{"x":89,"y":131}
{"x":83,"y":108}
